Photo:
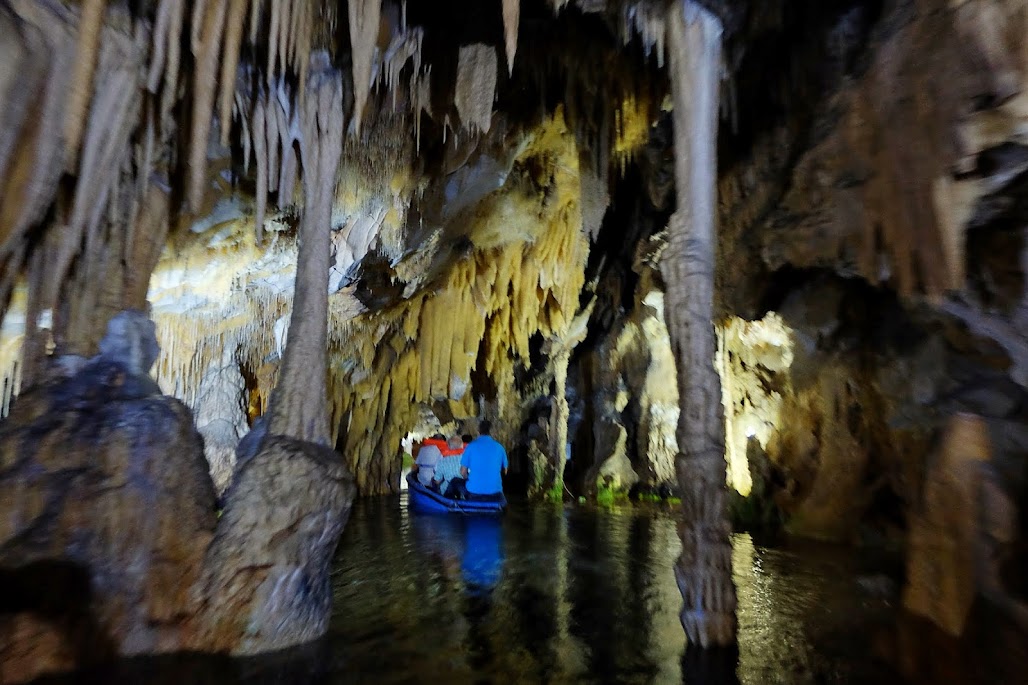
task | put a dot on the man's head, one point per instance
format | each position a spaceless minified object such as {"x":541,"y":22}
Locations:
{"x":484,"y":427}
{"x":439,"y":436}
{"x":455,"y":443}
{"x":466,"y":438}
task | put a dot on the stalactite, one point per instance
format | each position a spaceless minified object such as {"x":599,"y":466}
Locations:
{"x":261,"y":156}
{"x":272,"y":127}
{"x":287,"y":177}
{"x":255,"y":19}
{"x":298,"y":403}
{"x":203,"y":100}
{"x":647,"y":19}
{"x":476,"y":86}
{"x":704,"y":569}
{"x":113,"y":117}
{"x":246,"y":137}
{"x":405,"y":46}
{"x":305,"y":30}
{"x":161,"y":37}
{"x":197,"y":25}
{"x":89,"y":28}
{"x":229,"y":63}
{"x":171,"y":70}
{"x":511,"y":18}
{"x":364,"y":18}
{"x":295,"y":22}
{"x":33,"y":152}
{"x":285,"y":24}
{"x":275,"y":18}
{"x":421,"y":100}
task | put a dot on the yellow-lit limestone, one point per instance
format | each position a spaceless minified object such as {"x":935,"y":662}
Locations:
{"x":525,"y":277}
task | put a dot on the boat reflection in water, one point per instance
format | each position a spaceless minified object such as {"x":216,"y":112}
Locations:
{"x":549,"y":594}
{"x":482,"y":558}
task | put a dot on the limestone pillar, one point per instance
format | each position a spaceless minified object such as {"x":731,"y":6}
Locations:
{"x":704,"y":570}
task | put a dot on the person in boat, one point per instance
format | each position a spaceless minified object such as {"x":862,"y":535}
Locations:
{"x":448,"y":467}
{"x":481,"y":467}
{"x":428,"y":458}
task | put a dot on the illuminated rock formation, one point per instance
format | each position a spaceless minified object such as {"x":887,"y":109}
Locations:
{"x":221,"y":416}
{"x":353,"y":226}
{"x":704,"y":568}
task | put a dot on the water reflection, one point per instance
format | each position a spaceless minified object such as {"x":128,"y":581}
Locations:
{"x":482,"y":556}
{"x":579,"y":595}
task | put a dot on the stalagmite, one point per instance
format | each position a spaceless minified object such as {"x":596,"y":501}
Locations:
{"x":203,"y":100}
{"x":90,"y":25}
{"x":476,"y":86}
{"x":511,"y":18}
{"x":364,"y":17}
{"x":229,"y":63}
{"x":298,"y":403}
{"x":704,"y":570}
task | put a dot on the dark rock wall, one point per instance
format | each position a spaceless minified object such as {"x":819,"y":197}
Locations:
{"x":879,"y":211}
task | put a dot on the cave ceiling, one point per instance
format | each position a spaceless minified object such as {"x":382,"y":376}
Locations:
{"x":501,"y":163}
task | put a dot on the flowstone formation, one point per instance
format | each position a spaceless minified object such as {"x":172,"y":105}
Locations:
{"x":663,"y":257}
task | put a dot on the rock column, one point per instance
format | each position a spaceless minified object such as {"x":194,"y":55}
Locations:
{"x":704,"y":570}
{"x":266,"y":584}
{"x":559,"y":417}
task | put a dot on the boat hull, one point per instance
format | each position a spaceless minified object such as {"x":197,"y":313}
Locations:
{"x":423,"y":499}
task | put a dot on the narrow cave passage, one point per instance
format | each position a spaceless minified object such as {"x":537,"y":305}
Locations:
{"x":513,"y":340}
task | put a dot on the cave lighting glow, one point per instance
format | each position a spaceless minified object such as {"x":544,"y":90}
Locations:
{"x":748,"y":353}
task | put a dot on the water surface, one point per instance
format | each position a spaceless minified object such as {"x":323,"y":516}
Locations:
{"x":581,"y":595}
{"x":585,"y":595}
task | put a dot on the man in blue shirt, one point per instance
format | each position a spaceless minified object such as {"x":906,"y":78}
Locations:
{"x":483,"y":461}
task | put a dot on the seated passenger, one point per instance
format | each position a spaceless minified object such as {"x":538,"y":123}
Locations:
{"x":427,"y":459}
{"x":483,"y":461}
{"x":448,"y":467}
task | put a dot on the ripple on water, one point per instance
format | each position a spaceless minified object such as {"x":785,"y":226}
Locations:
{"x":575,"y":595}
{"x":585,"y":595}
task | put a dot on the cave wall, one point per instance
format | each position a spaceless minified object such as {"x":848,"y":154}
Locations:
{"x":861,"y":217}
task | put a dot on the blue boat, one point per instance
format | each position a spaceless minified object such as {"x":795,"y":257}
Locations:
{"x":423,"y":499}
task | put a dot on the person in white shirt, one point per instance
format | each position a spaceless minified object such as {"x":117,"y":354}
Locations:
{"x":428,"y":457}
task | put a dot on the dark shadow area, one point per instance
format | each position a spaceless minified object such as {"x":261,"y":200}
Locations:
{"x":55,"y":599}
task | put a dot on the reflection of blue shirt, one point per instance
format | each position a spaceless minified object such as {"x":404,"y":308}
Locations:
{"x":483,"y":551}
{"x":484,"y":458}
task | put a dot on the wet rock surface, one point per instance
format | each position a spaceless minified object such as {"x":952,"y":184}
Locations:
{"x":266,"y":575}
{"x":110,"y":543}
{"x":100,"y":472}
